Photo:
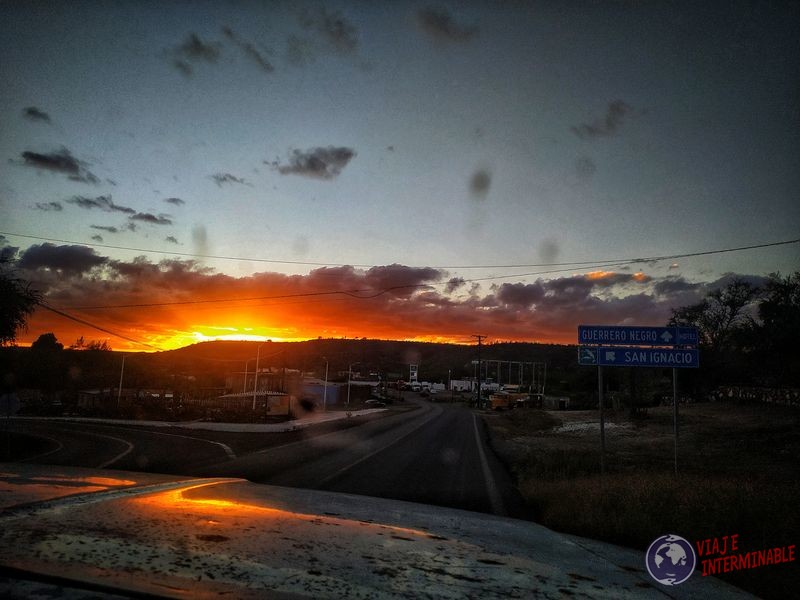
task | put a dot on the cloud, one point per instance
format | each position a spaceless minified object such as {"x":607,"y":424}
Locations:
{"x":607,"y":126}
{"x":175,"y":201}
{"x":453,"y":284}
{"x":104,"y":203}
{"x":318,"y":163}
{"x":107,"y":228}
{"x":59,"y":161}
{"x":171,"y":239}
{"x":49,"y":206}
{"x":340,"y":35}
{"x":34,"y":114}
{"x":69,"y":260}
{"x":546,"y":310}
{"x":97,"y":238}
{"x":521,"y":294}
{"x":151,"y":218}
{"x":249,"y":50}
{"x":479,"y":183}
{"x":406,"y":279}
{"x":440,"y":25}
{"x":222,"y":178}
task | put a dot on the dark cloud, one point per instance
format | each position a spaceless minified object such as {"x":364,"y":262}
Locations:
{"x":7,"y":253}
{"x":105,"y":228}
{"x":341,"y":35}
{"x":34,"y":114}
{"x":521,"y":294}
{"x":479,"y":183}
{"x":222,"y":178}
{"x":104,"y":203}
{"x":401,"y":276}
{"x":674,"y":285}
{"x":48,"y":206}
{"x":249,"y":50}
{"x":171,"y":239}
{"x":97,"y":238}
{"x":607,"y":126}
{"x":151,"y":218}
{"x":175,"y":201}
{"x":319,"y":163}
{"x":453,"y":284}
{"x":60,"y":161}
{"x":440,"y":25}
{"x":71,"y":260}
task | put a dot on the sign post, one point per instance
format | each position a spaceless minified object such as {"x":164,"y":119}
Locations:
{"x":602,"y":421}
{"x":626,"y":346}
{"x":675,"y":414}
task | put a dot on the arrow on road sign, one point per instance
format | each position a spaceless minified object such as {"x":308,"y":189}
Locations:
{"x":611,"y":356}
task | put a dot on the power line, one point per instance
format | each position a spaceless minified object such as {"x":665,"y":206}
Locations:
{"x":351,"y":293}
{"x":92,"y":325}
{"x":376,"y":293}
{"x":366,"y":265}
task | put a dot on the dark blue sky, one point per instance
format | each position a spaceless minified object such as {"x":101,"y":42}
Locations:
{"x":447,"y":134}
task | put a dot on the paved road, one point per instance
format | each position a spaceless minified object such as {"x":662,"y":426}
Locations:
{"x":127,"y":448}
{"x":436,"y":454}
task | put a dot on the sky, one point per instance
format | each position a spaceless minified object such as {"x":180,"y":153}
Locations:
{"x":179,"y":172}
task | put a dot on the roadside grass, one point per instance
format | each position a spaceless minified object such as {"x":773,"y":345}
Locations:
{"x":738,"y":474}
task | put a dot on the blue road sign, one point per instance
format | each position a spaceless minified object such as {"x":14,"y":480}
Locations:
{"x":622,"y":356}
{"x":612,"y":335}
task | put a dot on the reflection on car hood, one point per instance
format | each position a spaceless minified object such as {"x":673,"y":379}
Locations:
{"x":184,"y":537}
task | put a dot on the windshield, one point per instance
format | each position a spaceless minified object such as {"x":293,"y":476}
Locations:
{"x":482,"y":256}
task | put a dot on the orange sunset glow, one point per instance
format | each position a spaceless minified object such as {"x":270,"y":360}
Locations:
{"x":144,"y":306}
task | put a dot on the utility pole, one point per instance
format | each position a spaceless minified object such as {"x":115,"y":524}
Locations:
{"x":480,"y":339}
{"x":119,"y":390}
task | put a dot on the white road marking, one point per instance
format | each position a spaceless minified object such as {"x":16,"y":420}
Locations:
{"x":491,"y":488}
{"x":118,"y":456}
{"x":227,"y":449}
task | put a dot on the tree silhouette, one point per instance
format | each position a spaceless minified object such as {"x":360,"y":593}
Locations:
{"x":17,"y":303}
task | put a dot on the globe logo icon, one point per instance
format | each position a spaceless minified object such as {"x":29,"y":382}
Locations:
{"x":670,"y":559}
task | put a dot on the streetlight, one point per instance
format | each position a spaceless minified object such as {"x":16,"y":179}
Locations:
{"x":255,"y":381}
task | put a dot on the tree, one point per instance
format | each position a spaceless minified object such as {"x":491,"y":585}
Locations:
{"x":779,"y":312}
{"x":17,"y":303}
{"x":82,"y":344}
{"x":47,"y":342}
{"x":725,"y":322}
{"x":720,"y":315}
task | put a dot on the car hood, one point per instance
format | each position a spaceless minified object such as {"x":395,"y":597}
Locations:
{"x":121,"y":532}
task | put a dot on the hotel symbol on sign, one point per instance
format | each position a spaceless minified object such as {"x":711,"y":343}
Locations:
{"x":587,"y":356}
